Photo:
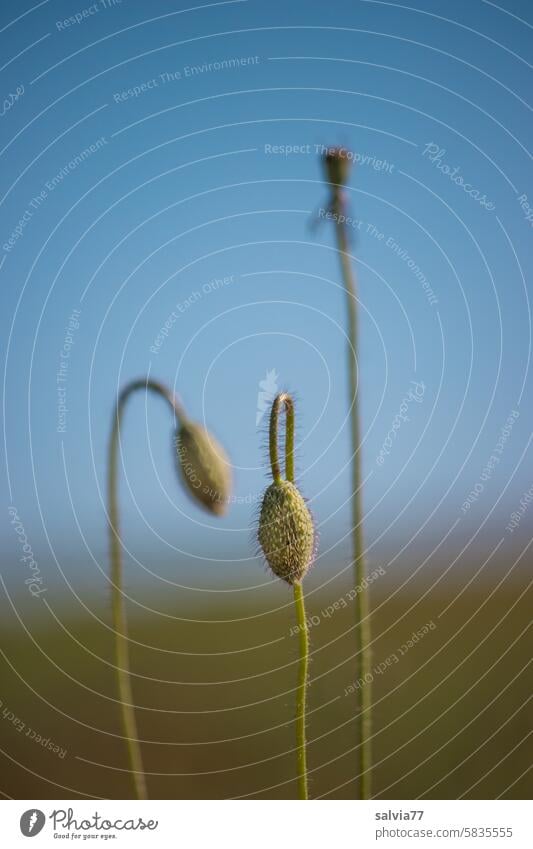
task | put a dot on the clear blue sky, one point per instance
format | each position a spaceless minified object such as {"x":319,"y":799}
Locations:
{"x":185,"y":186}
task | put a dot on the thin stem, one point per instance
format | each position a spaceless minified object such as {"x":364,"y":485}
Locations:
{"x":301,"y":744}
{"x":282,"y":400}
{"x":117,"y":596}
{"x":362,"y":627}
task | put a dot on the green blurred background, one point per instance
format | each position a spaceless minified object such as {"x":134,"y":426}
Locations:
{"x":216,"y":697}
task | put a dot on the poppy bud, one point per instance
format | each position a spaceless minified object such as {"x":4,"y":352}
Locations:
{"x":286,"y":532}
{"x":337,"y":161}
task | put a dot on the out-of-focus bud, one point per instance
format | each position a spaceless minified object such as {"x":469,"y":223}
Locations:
{"x":204,"y":467}
{"x":337,"y":164}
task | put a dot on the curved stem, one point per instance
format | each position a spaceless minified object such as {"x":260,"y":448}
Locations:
{"x":302,"y":691}
{"x":129,"y":724}
{"x":282,"y":400}
{"x":361,"y":598}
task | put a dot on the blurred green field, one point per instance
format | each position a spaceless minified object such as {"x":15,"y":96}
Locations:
{"x":216,"y":700}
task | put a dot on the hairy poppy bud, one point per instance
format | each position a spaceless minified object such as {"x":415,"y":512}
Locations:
{"x":286,"y":532}
{"x":204,"y":467}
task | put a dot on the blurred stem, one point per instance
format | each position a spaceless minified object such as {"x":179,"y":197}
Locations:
{"x":362,"y":626}
{"x":284,"y":401}
{"x":118,"y":606}
{"x":301,"y":744}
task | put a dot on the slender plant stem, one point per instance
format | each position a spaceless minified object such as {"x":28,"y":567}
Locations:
{"x":301,"y":744}
{"x":118,"y":606}
{"x":284,"y":401}
{"x":362,"y":627}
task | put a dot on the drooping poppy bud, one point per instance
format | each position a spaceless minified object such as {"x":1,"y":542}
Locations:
{"x":204,"y":467}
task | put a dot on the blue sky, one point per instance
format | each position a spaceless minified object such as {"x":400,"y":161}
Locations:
{"x":189,"y":181}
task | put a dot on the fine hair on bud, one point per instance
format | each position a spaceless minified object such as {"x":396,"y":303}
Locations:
{"x":204,"y":467}
{"x":286,"y":532}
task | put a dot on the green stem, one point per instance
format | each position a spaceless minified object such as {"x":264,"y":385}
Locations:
{"x":302,"y":691}
{"x":362,"y":627}
{"x":118,"y":606}
{"x":285,"y":401}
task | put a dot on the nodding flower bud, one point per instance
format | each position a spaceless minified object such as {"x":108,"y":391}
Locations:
{"x":286,"y":532}
{"x":337,"y":162}
{"x":204,"y":467}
